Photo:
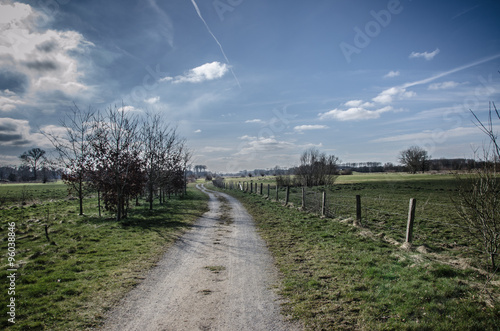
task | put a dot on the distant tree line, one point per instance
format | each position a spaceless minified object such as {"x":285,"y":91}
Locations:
{"x":315,"y":169}
{"x":442,"y":164}
{"x":25,"y":173}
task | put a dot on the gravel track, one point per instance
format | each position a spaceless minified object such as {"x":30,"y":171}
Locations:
{"x":218,"y":276}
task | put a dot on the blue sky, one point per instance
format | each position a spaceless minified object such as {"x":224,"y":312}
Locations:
{"x":252,"y":84}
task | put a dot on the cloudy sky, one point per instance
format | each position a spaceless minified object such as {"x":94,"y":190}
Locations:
{"x":251,"y":84}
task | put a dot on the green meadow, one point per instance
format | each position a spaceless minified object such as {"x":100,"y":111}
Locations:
{"x":68,"y":277}
{"x":339,"y":276}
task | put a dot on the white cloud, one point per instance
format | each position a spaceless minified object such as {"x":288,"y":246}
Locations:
{"x":353,"y":103}
{"x":167,"y":79}
{"x":205,"y":72}
{"x":301,"y":128}
{"x":15,"y":132}
{"x":198,"y":131}
{"x":47,"y":59}
{"x":387,"y":96}
{"x":354,"y":114}
{"x":358,"y":110}
{"x":368,"y":105}
{"x":129,"y":109}
{"x":443,"y":85}
{"x":426,"y":55}
{"x":392,"y":74}
{"x":246,"y":137}
{"x":152,"y":101}
{"x":12,"y":13}
{"x":254,"y":121}
{"x":9,"y":101}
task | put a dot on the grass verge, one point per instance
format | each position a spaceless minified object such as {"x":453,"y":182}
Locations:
{"x":89,"y":263}
{"x":334,"y":277}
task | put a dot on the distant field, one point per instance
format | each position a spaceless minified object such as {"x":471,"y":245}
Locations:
{"x":385,"y":200}
{"x":29,"y":192}
{"x":356,"y":177}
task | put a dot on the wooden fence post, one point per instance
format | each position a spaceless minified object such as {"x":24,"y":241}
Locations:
{"x":277,"y":193}
{"x":303,"y":198}
{"x":261,"y":189}
{"x":268,"y":188}
{"x":251,"y":186}
{"x":287,"y":195}
{"x":358,"y":208}
{"x":411,"y":219}
{"x":323,"y":207}
{"x":357,"y":221}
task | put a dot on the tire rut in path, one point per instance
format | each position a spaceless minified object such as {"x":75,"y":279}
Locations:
{"x":218,"y":276}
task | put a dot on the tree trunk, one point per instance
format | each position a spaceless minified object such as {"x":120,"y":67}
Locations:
{"x":80,"y":196}
{"x":119,"y":206}
{"x":151,"y":192}
{"x":99,"y":201}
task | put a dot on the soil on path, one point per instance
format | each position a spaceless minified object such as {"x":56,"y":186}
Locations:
{"x":218,"y":276}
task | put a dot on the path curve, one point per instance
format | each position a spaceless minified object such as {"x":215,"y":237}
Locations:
{"x":218,"y":276}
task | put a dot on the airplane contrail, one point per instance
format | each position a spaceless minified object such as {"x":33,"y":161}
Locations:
{"x":443,"y":74}
{"x":216,"y":40}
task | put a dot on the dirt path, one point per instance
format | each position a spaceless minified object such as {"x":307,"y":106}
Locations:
{"x":218,"y":276}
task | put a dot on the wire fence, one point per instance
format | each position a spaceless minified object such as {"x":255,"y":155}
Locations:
{"x":432,"y":225}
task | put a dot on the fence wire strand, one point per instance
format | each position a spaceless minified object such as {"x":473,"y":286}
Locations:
{"x":427,"y":229}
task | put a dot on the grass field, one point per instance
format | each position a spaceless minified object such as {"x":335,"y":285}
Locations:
{"x":26,"y":193}
{"x":68,"y":280}
{"x":385,"y":202}
{"x":337,"y":276}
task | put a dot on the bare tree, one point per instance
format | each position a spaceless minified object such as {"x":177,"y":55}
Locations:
{"x":478,"y":197}
{"x":175,"y":165}
{"x":200,"y":169}
{"x":74,"y":148}
{"x":155,"y":139}
{"x":33,"y":158}
{"x":118,"y":168}
{"x":186,"y":158}
{"x":317,"y":168}
{"x":489,"y":130}
{"x":478,"y":208}
{"x":414,"y":159}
